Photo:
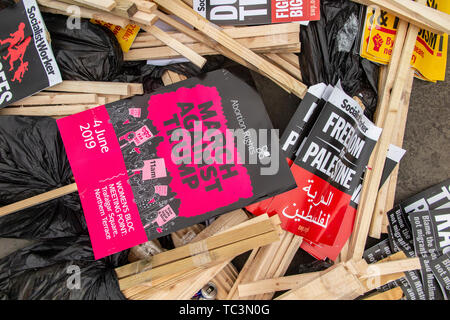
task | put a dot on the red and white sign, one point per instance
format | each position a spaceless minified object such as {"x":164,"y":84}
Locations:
{"x":255,"y":12}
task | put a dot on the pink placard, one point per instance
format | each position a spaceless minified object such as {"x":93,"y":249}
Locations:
{"x":221,"y":184}
{"x":165,"y":215}
{"x":101,"y":177}
{"x":154,"y":168}
{"x":142,"y":135}
{"x":161,"y":190}
{"x":135,"y":112}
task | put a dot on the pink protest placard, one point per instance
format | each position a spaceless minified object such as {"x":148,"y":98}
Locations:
{"x":165,"y":215}
{"x":135,"y":112}
{"x":98,"y":166}
{"x":142,"y":135}
{"x":153,"y":169}
{"x":125,"y":159}
{"x":222,"y":184}
{"x":161,"y":190}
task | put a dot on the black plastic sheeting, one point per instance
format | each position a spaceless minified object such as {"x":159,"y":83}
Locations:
{"x":330,"y":52}
{"x":6,"y":3}
{"x":60,"y":269}
{"x":150,"y":75}
{"x":33,"y":161}
{"x":90,"y":53}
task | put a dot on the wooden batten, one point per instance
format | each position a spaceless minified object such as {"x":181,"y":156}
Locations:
{"x":285,"y":43}
{"x":175,"y":45}
{"x":41,"y":198}
{"x":57,"y":7}
{"x":216,"y":33}
{"x":377,"y":160}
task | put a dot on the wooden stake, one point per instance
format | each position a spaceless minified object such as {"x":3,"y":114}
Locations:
{"x":57,"y":99}
{"x":186,"y":52}
{"x":285,"y":43}
{"x":210,"y":43}
{"x":391,"y":267}
{"x":292,"y":58}
{"x":47,"y":111}
{"x":224,"y":281}
{"x":216,"y":255}
{"x":106,"y":5}
{"x":145,"y":6}
{"x":285,"y":65}
{"x":144,"y":18}
{"x":41,"y":198}
{"x":386,"y":195}
{"x":372,"y":177}
{"x":233,"y":294}
{"x":190,"y":286}
{"x":415,"y":13}
{"x":64,"y":8}
{"x":401,"y":133}
{"x":125,"y":7}
{"x":145,"y":250}
{"x":335,"y":283}
{"x":276,"y":284}
{"x":185,"y":251}
{"x":146,"y":40}
{"x":115,"y":88}
{"x":185,"y":286}
{"x":234,"y":32}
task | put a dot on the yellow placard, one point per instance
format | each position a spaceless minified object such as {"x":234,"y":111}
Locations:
{"x":430,"y":52}
{"x":125,"y":36}
{"x":382,"y":36}
{"x":365,"y":39}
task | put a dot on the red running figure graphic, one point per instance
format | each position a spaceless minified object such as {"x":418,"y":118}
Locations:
{"x":18,"y":75}
{"x":16,"y":37}
{"x":16,"y":50}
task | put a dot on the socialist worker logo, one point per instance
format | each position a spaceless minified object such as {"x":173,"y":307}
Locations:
{"x":17,"y":45}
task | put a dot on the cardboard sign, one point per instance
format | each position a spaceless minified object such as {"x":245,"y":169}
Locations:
{"x":441,"y":270}
{"x":425,"y":249}
{"x":255,"y":12}
{"x":293,"y":139}
{"x":418,"y":226}
{"x":177,"y":164}
{"x":27,"y":64}
{"x":327,"y":170}
{"x":382,"y":36}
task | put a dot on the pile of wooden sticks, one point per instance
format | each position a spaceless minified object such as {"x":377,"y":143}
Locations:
{"x":70,"y":97}
{"x":266,"y":49}
{"x":280,"y":38}
{"x":204,"y":254}
{"x":394,"y":94}
{"x":181,"y":272}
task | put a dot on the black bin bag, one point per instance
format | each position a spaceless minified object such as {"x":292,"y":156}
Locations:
{"x":60,"y":269}
{"x":6,"y":3}
{"x":330,"y":52}
{"x":33,"y":161}
{"x":90,"y":53}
